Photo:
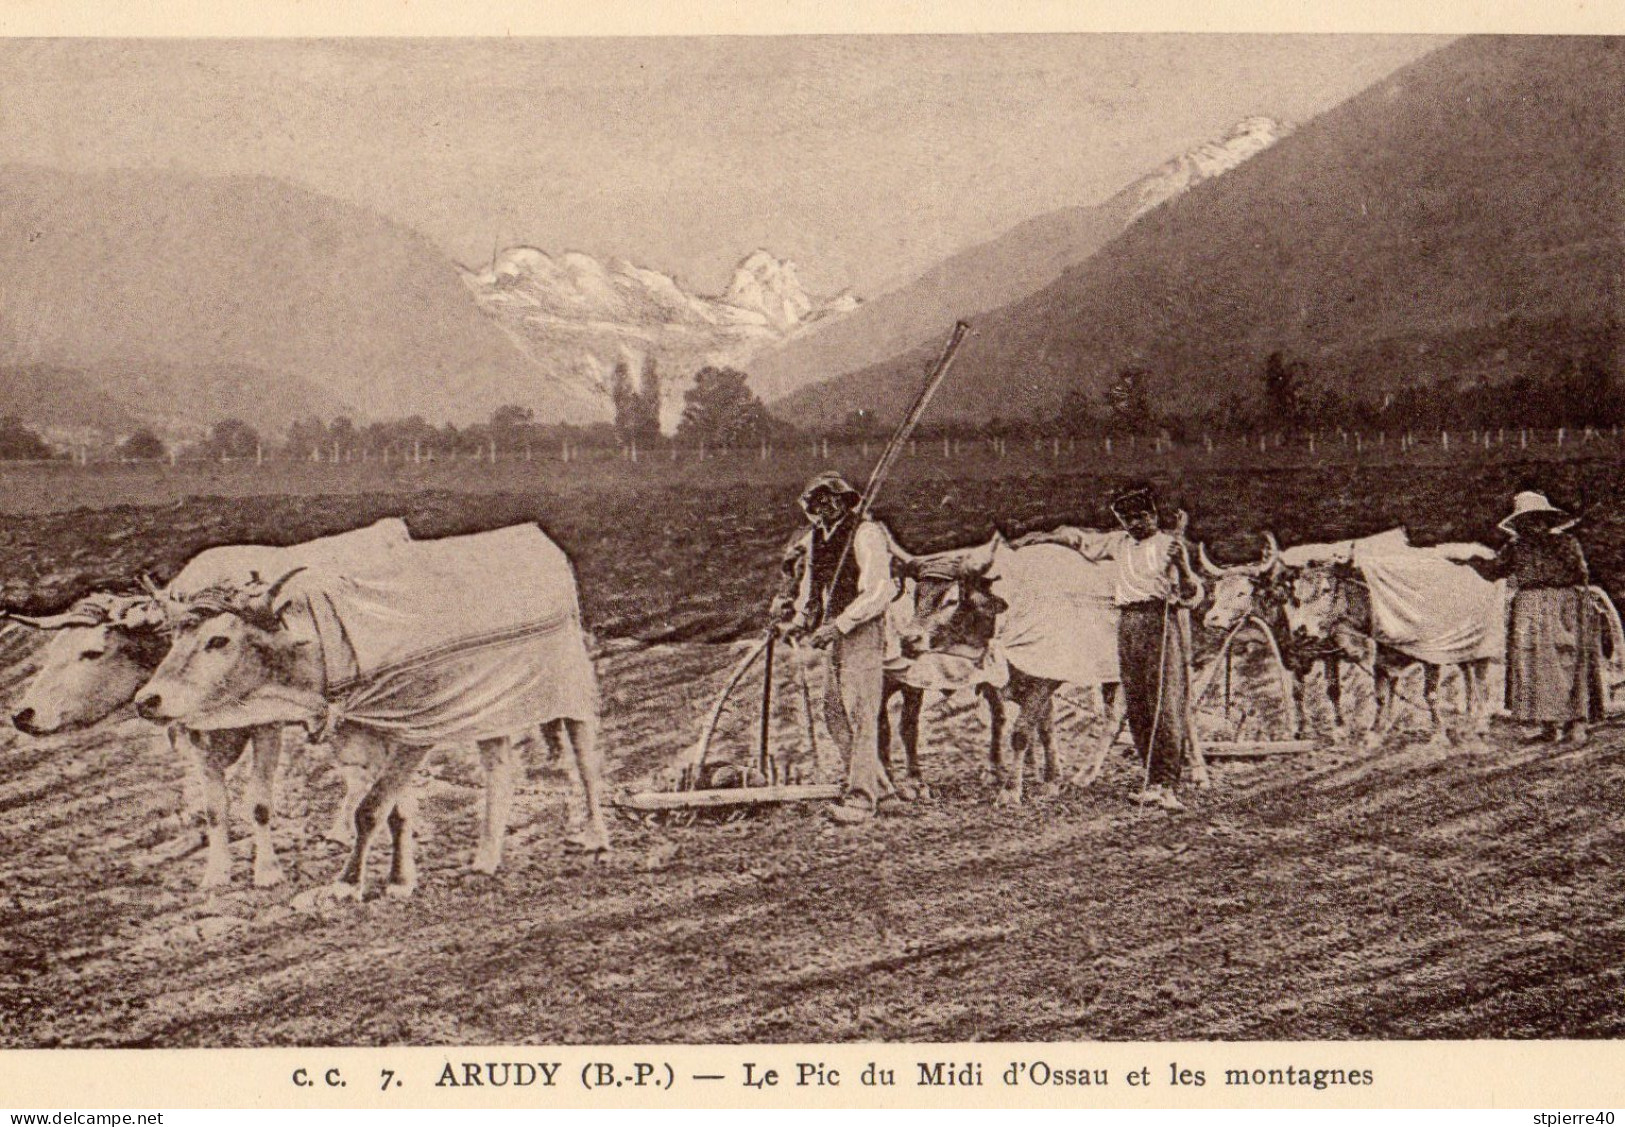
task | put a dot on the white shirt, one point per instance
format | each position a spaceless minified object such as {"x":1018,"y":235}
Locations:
{"x":1142,"y":565}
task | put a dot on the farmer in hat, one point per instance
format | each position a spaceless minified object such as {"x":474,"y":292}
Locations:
{"x":839,"y":580}
{"x":1154,"y":576}
{"x":1554,"y":641}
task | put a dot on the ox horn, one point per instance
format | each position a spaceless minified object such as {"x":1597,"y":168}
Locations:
{"x":1272,"y":555}
{"x":75,"y":617}
{"x":275,"y":589}
{"x":1213,"y":569}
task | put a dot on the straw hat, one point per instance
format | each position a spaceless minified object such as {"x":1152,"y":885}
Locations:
{"x":1530,"y":507}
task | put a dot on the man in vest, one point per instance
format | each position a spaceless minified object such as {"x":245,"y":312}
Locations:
{"x":841,"y":573}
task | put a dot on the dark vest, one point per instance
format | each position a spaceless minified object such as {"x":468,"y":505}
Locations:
{"x":831,"y":592}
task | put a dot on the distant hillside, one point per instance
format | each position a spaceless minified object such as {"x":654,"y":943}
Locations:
{"x":165,"y":288}
{"x":1459,"y":222}
{"x":1019,"y":262}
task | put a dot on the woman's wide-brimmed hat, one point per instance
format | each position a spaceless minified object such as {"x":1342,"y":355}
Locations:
{"x":1533,"y":509}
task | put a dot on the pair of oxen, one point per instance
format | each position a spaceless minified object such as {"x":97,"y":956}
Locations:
{"x":214,"y":659}
{"x":963,"y":604}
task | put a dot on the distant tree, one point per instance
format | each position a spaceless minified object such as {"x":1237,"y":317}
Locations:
{"x":1586,"y":390}
{"x":304,"y":436}
{"x":861,"y":423}
{"x":1077,"y":414}
{"x":636,"y":401}
{"x":650,"y":389}
{"x":511,"y":417}
{"x":721,"y":411}
{"x":342,"y":438}
{"x":18,"y":442}
{"x":1128,"y":400}
{"x":143,"y":445}
{"x":1284,"y":389}
{"x":233,"y":438}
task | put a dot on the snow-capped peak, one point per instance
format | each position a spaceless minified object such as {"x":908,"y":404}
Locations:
{"x":764,"y":284}
{"x":1247,"y":138}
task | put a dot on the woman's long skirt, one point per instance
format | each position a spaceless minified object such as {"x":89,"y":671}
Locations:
{"x":1554,"y":673}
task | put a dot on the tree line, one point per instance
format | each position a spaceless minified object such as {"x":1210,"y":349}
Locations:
{"x":720,"y":412}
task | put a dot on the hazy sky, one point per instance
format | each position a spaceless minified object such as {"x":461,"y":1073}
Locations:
{"x":865,"y":159}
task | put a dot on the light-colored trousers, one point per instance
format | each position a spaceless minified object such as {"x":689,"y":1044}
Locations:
{"x":852,"y":708}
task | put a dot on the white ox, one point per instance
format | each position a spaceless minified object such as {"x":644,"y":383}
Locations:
{"x":470,"y":639}
{"x":1016,"y":624}
{"x":107,"y":646}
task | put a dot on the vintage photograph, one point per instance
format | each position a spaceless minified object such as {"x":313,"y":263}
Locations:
{"x":811,"y":539}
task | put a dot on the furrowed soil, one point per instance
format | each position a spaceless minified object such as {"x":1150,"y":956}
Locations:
{"x":1411,"y":890}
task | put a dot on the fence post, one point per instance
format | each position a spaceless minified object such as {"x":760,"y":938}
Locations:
{"x":1523,"y":438}
{"x":1108,"y":444}
{"x":1055,"y":449}
{"x":1444,"y":439}
{"x":826,"y":449}
{"x":1560,"y":436}
{"x":1311,"y":442}
{"x":259,"y":453}
{"x":632,"y":451}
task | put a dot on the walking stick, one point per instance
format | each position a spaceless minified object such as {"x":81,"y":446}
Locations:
{"x":767,"y":701}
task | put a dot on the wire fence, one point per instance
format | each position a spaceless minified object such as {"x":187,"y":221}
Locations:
{"x":1241,"y":449}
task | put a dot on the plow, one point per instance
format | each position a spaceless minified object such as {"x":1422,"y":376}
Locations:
{"x":731,"y":788}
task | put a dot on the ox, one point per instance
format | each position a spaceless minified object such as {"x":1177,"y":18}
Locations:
{"x":107,"y":646}
{"x":1262,"y":591}
{"x":248,"y":650}
{"x":102,"y":650}
{"x":959,"y":608}
{"x":1331,"y":605}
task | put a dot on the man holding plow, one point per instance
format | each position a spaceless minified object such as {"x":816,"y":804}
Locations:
{"x":840,"y":570}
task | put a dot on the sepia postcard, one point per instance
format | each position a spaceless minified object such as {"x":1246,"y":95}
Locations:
{"x":694,"y":557}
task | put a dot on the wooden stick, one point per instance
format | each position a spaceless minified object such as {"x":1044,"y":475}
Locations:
{"x":736,"y":796}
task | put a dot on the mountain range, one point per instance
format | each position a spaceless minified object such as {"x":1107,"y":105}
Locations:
{"x":1457,"y":224}
{"x":577,"y":317}
{"x":1019,"y":262}
{"x":175,"y":296}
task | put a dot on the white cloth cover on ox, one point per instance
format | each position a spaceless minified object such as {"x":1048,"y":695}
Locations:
{"x":1428,"y":606}
{"x":234,"y":563}
{"x":449,"y":640}
{"x":1061,"y":624}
